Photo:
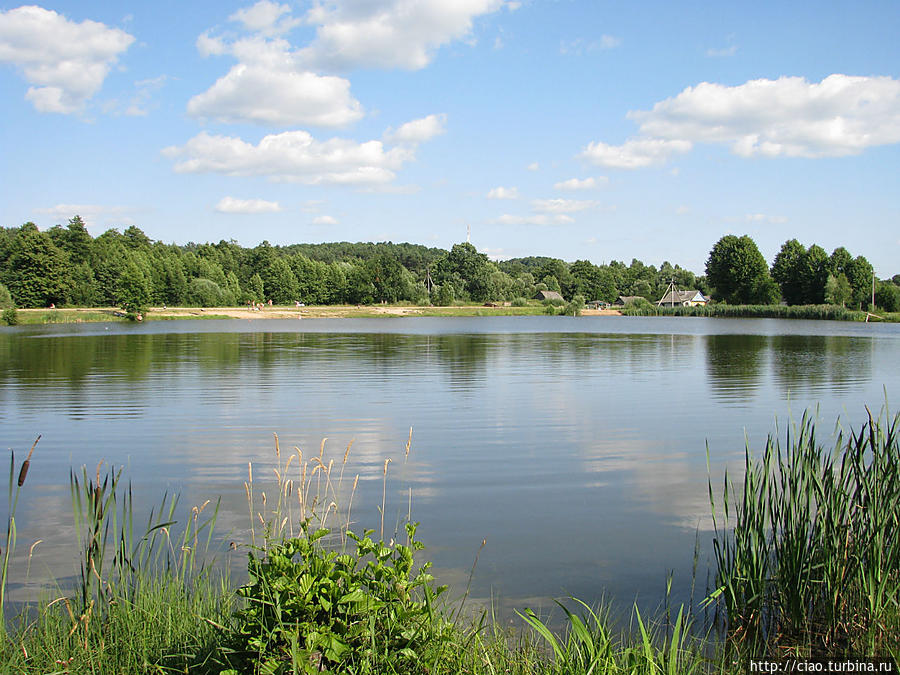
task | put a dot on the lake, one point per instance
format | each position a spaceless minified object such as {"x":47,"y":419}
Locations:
{"x":576,"y":447}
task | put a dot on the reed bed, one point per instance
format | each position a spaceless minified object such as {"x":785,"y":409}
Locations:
{"x":808,"y":550}
{"x":821,"y":312}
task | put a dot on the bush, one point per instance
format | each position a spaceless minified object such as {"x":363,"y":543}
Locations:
{"x":10,"y":316}
{"x":311,"y":606}
{"x":519,"y":302}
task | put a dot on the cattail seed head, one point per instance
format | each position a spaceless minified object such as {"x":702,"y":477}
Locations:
{"x":23,"y":472}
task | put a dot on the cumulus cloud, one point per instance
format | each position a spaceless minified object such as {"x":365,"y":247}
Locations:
{"x":65,"y":61}
{"x":325,"y":220}
{"x":417,"y":131}
{"x":635,"y":153}
{"x":267,"y":18}
{"x":500,"y":192}
{"x":391,"y":34}
{"x":247,"y":206}
{"x":788,"y":117}
{"x":562,"y":205}
{"x":581,"y":184}
{"x":269,"y":85}
{"x":292,"y":156}
{"x":277,"y":96}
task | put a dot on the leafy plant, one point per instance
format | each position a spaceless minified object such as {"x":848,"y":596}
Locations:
{"x":10,"y":316}
{"x":309,"y":608}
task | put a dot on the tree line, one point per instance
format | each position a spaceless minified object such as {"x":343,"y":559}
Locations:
{"x":66,"y":266}
{"x":737,"y":273}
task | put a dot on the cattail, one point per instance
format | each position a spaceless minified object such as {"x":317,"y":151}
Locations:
{"x":23,"y":472}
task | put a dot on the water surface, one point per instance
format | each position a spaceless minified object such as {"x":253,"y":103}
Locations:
{"x":576,"y":447}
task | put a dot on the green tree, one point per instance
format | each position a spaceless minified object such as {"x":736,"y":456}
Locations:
{"x":738,"y":271}
{"x":837,"y":290}
{"x":255,"y":288}
{"x":814,"y":275}
{"x":83,"y":291}
{"x":887,"y":296}
{"x":6,"y":300}
{"x":861,"y":275}
{"x":787,"y":271}
{"x":279,"y":283}
{"x":37,"y":271}
{"x":133,"y":291}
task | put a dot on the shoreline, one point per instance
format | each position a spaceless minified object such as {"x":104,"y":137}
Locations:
{"x":100,"y":314}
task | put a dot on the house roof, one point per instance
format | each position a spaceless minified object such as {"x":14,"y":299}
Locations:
{"x":548,"y":295}
{"x":625,"y":299}
{"x":680,"y":297}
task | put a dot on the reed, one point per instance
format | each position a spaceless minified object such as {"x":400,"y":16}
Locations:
{"x":820,"y":312}
{"x":807,"y":552}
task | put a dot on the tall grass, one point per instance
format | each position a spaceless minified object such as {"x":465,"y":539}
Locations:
{"x":822,"y":312}
{"x":807,"y":551}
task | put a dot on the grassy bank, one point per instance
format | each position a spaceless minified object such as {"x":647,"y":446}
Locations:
{"x":828,"y":312}
{"x":807,"y":562}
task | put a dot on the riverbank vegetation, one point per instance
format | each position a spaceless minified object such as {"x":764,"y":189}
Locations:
{"x":67,"y":267}
{"x":805,"y":547}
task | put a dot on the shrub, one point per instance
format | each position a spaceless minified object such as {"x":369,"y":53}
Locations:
{"x":519,"y":302}
{"x":311,"y":606}
{"x":10,"y":316}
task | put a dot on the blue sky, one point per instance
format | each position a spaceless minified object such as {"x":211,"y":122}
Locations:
{"x":574,"y":129}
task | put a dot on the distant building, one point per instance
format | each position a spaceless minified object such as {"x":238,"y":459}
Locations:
{"x":683,"y":299}
{"x":597,"y":304}
{"x":548,"y":295}
{"x":625,"y":299}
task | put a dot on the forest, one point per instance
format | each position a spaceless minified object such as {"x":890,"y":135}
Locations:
{"x":66,"y":266}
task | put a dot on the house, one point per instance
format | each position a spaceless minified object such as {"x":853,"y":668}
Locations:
{"x":683,"y":299}
{"x":548,"y":295}
{"x":597,"y":304}
{"x":625,"y":299}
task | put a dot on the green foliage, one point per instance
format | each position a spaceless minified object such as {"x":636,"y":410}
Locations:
{"x":887,"y":296}
{"x":6,"y":300}
{"x":786,"y":271}
{"x":10,"y":316}
{"x":37,"y":271}
{"x":133,"y":289}
{"x":519,"y":302}
{"x":310,"y":608}
{"x":807,"y":552}
{"x":837,"y":290}
{"x":739,"y":272}
{"x":207,"y":293}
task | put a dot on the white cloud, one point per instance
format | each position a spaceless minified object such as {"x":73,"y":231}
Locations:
{"x":325,"y":220}
{"x":259,"y":94}
{"x":500,"y":192}
{"x":292,"y":156}
{"x":534,"y":219}
{"x":841,"y":115}
{"x":635,"y":153}
{"x":417,"y":131}
{"x":247,"y":206}
{"x":267,"y":18}
{"x":581,"y":184}
{"x":534,"y":166}
{"x":66,"y":62}
{"x":788,"y":117}
{"x":580,"y":45}
{"x":562,"y":205}
{"x":390,"y":34}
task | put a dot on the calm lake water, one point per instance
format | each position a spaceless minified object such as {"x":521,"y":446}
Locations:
{"x":576,"y":447}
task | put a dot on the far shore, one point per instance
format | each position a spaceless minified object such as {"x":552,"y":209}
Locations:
{"x":95,"y":314}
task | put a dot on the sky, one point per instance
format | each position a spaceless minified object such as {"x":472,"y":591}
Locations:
{"x":577,"y":129}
